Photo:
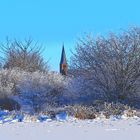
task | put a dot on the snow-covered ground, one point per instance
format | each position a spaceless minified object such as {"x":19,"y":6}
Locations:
{"x":102,"y":129}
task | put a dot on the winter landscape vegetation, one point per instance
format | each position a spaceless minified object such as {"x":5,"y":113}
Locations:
{"x":69,"y":70}
{"x":97,"y":93}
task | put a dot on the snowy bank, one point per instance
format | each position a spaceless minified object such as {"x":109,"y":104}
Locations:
{"x":73,"y":130}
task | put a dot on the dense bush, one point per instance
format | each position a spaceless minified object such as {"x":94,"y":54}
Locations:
{"x":79,"y":90}
{"x":42,"y":89}
{"x":36,"y":89}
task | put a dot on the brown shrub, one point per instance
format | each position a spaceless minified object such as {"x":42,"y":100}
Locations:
{"x":107,"y":109}
{"x":130,"y":113}
{"x":83,"y":112}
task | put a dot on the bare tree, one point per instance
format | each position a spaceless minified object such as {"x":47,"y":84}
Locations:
{"x":25,"y":55}
{"x":111,"y":65}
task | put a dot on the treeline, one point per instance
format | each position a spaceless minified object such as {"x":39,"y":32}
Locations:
{"x":103,"y":69}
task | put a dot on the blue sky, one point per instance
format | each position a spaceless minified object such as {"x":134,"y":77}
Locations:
{"x":54,"y":22}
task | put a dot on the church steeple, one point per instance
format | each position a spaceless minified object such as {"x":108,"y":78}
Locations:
{"x":63,"y":62}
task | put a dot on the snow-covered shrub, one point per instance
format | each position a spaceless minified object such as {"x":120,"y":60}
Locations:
{"x":80,"y":91}
{"x":82,"y":112}
{"x":40,"y":90}
{"x":6,"y":86}
{"x":8,"y":81}
{"x":105,"y":109}
{"x":130,"y":113}
{"x":85,"y":113}
{"x":113,"y":109}
{"x":76,"y":88}
{"x":36,"y":89}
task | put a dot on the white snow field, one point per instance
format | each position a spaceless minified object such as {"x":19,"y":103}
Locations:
{"x":102,"y":129}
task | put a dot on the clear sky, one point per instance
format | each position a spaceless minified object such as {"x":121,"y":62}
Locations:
{"x":54,"y":22}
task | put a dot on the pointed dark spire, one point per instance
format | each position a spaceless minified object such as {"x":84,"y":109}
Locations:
{"x":63,"y":56}
{"x":63,"y":62}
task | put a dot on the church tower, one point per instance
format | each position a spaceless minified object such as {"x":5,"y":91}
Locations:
{"x":63,"y":63}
